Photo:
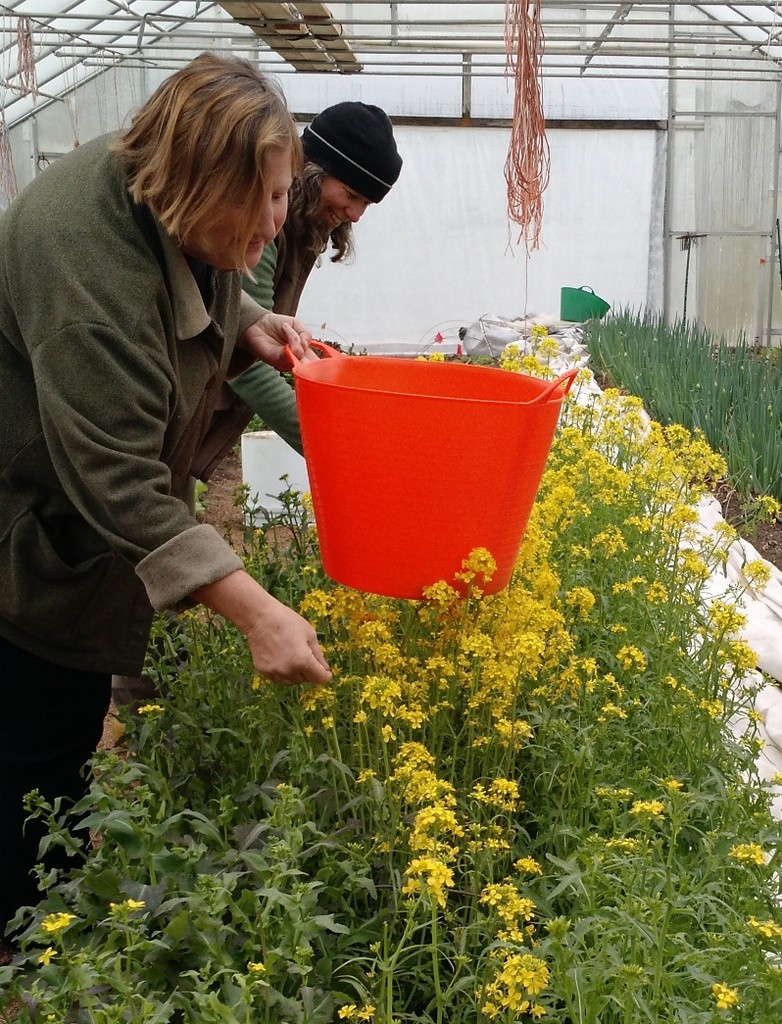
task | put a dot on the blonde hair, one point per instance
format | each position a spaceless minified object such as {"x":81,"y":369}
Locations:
{"x":201,"y":143}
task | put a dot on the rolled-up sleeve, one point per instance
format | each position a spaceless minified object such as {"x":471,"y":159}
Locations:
{"x":183,"y":564}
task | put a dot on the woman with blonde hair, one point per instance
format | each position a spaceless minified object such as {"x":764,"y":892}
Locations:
{"x":114,"y":399}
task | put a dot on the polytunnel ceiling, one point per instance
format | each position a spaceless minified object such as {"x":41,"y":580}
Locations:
{"x":71,"y":41}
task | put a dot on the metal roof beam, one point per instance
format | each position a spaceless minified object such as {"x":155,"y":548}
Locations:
{"x":617,"y":18}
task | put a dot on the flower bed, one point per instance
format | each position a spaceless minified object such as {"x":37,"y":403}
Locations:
{"x":503,"y":808}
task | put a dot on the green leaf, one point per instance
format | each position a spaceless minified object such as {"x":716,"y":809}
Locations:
{"x":178,"y":926}
{"x":124,"y":834}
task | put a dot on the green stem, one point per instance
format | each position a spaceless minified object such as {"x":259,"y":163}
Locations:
{"x":436,"y":968}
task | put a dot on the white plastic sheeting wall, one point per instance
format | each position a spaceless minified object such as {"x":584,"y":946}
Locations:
{"x":437,"y":252}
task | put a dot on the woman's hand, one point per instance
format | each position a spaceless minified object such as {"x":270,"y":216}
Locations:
{"x":283,"y":645}
{"x":266,"y":339}
{"x":285,"y":648}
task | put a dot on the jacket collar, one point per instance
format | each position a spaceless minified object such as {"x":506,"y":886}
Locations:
{"x":190,"y":315}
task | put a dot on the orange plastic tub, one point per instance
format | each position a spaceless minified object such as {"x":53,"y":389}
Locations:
{"x":413,"y":465}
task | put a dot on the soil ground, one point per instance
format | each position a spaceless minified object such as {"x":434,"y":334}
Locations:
{"x":219,"y":508}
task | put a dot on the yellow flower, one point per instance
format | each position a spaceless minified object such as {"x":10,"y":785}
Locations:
{"x":126,"y":905}
{"x":528,"y":865}
{"x":768,"y":929}
{"x":433,"y":821}
{"x":509,"y":905}
{"x":630,"y":658}
{"x":769,"y":506}
{"x":316,"y":604}
{"x":47,"y":955}
{"x":647,"y":809}
{"x":752,"y":853}
{"x":150,"y":709}
{"x":502,"y":794}
{"x":628,"y":586}
{"x":513,"y":734}
{"x":56,"y":922}
{"x":480,"y":645}
{"x":352,"y":1012}
{"x":580,"y":598}
{"x":481,"y":562}
{"x":741,"y":656}
{"x":610,"y":541}
{"x":256,"y":967}
{"x":656,"y":593}
{"x":426,"y":874}
{"x":612,"y":709}
{"x":713,"y":708}
{"x":757,"y":573}
{"x":441,"y":595}
{"x":725,"y":998}
{"x":725,"y":617}
{"x":521,"y":975}
{"x":624,"y":843}
{"x":610,"y":793}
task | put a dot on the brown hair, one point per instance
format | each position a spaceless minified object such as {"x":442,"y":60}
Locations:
{"x":304,"y":216}
{"x":202,"y":140}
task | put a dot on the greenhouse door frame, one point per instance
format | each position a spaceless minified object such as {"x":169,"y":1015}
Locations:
{"x":723,"y":267}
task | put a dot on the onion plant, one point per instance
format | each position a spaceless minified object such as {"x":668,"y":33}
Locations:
{"x":729,"y":390}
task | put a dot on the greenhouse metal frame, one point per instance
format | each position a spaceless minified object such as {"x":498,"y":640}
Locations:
{"x":704,"y":79}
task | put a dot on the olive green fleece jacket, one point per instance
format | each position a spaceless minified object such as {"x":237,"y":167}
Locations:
{"x":111,"y":370}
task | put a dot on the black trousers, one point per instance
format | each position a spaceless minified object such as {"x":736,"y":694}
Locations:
{"x":51,"y":720}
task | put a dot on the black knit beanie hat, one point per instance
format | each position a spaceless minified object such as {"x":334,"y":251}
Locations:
{"x":355,"y":143}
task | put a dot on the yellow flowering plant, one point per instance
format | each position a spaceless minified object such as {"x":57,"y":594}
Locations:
{"x":522,"y":806}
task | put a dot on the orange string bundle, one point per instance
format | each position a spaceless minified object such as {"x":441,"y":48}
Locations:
{"x":28,"y":82}
{"x":8,"y":186}
{"x":527,"y":163}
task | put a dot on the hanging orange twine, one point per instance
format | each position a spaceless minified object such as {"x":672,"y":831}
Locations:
{"x":528,"y":161}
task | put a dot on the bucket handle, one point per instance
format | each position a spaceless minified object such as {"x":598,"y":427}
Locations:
{"x":586,"y":288}
{"x":326,"y":350}
{"x":565,"y":382}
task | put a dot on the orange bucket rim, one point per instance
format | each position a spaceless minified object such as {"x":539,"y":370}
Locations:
{"x":564,"y":380}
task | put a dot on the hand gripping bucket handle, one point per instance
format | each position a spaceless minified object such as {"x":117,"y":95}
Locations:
{"x":321,"y":346}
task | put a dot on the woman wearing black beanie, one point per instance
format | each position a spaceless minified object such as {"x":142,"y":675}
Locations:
{"x":350,"y":162}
